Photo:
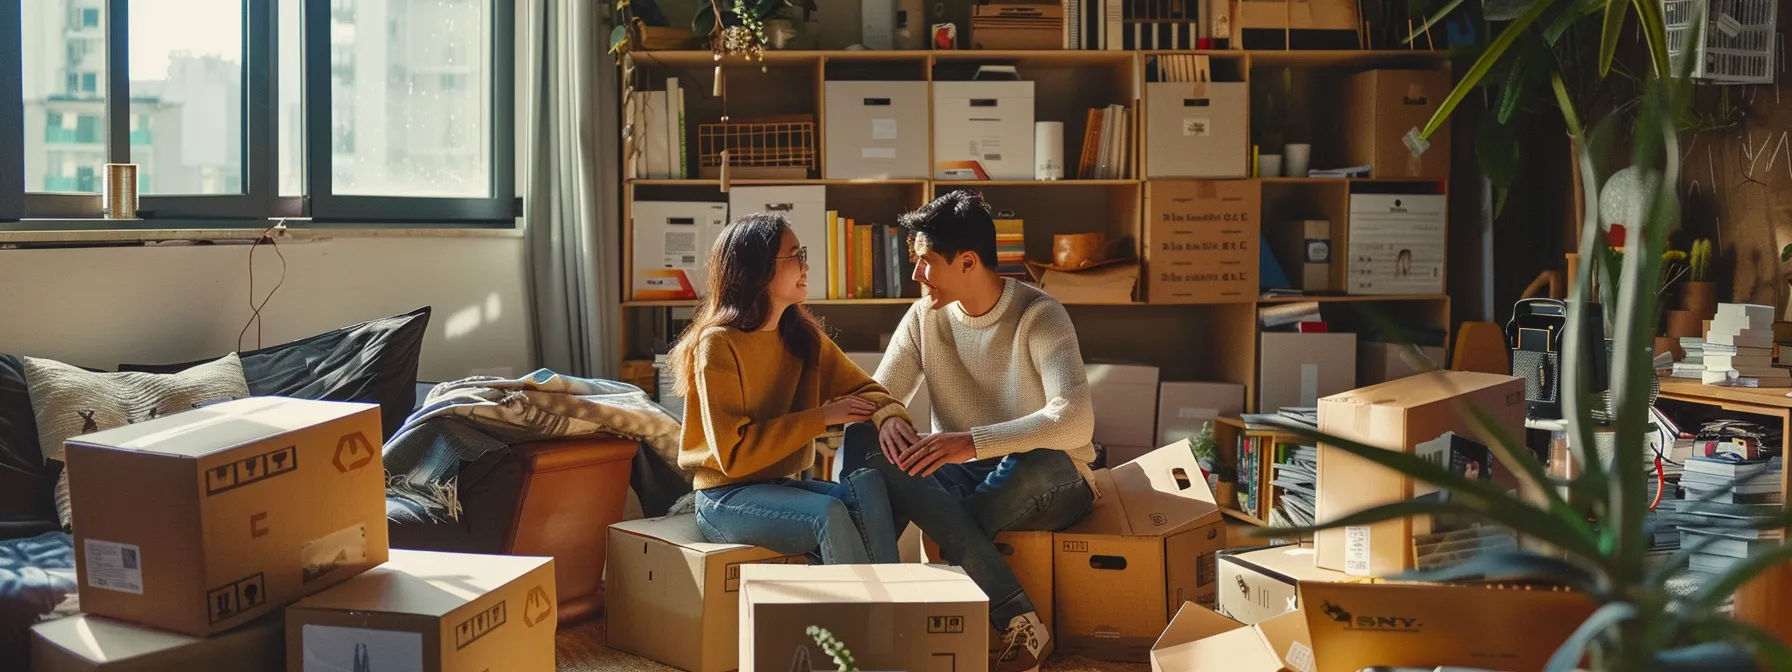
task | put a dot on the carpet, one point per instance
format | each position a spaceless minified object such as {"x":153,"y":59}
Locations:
{"x":579,"y":647}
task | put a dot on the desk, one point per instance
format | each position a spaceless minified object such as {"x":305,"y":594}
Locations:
{"x":1767,"y":601}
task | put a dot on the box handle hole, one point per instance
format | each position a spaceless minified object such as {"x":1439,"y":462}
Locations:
{"x":1196,"y":102}
{"x":1181,"y":476}
{"x":1107,"y":562}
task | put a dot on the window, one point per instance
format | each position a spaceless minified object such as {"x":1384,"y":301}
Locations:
{"x":244,"y":110}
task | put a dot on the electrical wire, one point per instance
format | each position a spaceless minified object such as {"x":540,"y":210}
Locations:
{"x":254,"y":308}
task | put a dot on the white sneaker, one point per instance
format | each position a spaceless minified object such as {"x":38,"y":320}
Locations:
{"x":1023,"y":643}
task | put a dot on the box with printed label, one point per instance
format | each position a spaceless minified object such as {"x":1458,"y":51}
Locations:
{"x":1257,"y":584}
{"x":671,"y":248}
{"x":1426,"y":414}
{"x":806,"y":208}
{"x":983,"y":130}
{"x":1184,"y":408}
{"x":431,"y":612}
{"x":208,"y":519}
{"x":1384,"y":111}
{"x":1146,"y":547}
{"x":1125,"y":401}
{"x":1029,"y":555}
{"x":1201,"y":240}
{"x":87,"y":643}
{"x":1396,"y":244}
{"x":876,"y":130}
{"x":681,"y":594}
{"x":892,"y":617}
{"x":1199,"y":639}
{"x":1298,"y":369}
{"x":1359,"y":625}
{"x":1196,"y":129}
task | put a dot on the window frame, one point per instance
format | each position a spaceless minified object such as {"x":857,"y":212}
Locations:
{"x":259,"y":199}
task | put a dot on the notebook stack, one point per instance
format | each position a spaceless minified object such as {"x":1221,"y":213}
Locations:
{"x":1693,"y":365}
{"x":1297,"y":477}
{"x":1728,"y":492}
{"x":1739,"y":348}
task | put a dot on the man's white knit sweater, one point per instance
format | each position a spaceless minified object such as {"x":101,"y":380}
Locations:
{"x":1012,"y":377}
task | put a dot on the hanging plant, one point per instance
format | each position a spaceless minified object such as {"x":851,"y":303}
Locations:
{"x":748,"y":14}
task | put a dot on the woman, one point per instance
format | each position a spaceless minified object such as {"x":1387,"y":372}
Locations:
{"x":761,"y":382}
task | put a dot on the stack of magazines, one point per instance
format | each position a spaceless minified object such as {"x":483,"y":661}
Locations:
{"x":1297,"y":478}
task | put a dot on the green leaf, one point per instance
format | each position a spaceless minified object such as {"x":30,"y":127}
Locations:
{"x":1497,"y":152}
{"x":703,"y":23}
{"x":1570,"y":16}
{"x":1517,"y":85}
{"x":1569,"y":653}
{"x":1471,"y":79}
{"x":1714,"y":592}
{"x":1615,"y":13}
{"x":1518,"y":458}
{"x":1786,"y":254}
{"x":1506,"y":10}
{"x":618,"y":35}
{"x":1765,"y":645}
{"x":1655,"y":33}
{"x":1573,"y":120}
{"x":1511,"y":566}
{"x":1435,"y":18}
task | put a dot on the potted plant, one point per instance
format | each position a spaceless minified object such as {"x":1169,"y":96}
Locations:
{"x":775,"y":24}
{"x":1699,"y":294}
{"x":1593,"y":525}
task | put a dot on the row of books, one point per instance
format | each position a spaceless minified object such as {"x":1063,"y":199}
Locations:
{"x":1011,"y":248}
{"x":867,"y":261}
{"x":1106,"y":149}
{"x":1114,"y":25}
{"x":657,"y":147}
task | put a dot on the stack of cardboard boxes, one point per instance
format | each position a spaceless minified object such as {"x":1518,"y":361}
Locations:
{"x":196,"y":534}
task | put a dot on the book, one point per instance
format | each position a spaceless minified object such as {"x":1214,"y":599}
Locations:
{"x":880,"y":260}
{"x":849,"y":286}
{"x":674,"y":127}
{"x":1728,"y":469}
{"x":833,"y":254}
{"x":1724,"y":544}
{"x":862,"y":264}
{"x":1711,"y":564}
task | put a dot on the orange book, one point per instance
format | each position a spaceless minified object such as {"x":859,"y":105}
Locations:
{"x":862,"y":272}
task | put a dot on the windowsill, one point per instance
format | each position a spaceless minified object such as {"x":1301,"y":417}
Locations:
{"x":49,"y":232}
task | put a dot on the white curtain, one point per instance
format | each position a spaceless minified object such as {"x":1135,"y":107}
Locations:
{"x":572,"y":194}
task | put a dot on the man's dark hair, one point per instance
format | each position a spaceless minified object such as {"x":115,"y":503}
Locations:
{"x":955,"y":223}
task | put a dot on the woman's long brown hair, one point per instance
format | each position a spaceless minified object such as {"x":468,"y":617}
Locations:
{"x":741,"y":266}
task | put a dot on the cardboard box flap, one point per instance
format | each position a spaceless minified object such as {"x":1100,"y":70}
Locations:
{"x":1420,"y":390}
{"x":1238,"y":650}
{"x":1194,"y":622}
{"x":222,"y":426}
{"x":1163,"y":492}
{"x":680,"y":531}
{"x":1286,"y":638}
{"x":424,"y":583}
{"x":819,"y":584}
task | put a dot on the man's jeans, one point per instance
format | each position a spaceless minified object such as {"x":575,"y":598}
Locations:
{"x":963,"y":506}
{"x":844,"y":523}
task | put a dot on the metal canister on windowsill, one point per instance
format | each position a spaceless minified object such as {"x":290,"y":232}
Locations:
{"x":120,"y":196}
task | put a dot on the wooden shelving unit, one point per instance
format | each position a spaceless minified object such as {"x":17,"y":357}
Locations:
{"x":1188,"y":342}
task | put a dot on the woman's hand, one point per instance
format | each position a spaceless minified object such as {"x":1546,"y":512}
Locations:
{"x":848,"y":409}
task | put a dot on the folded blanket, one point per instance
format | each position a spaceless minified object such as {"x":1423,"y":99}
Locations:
{"x":465,"y":420}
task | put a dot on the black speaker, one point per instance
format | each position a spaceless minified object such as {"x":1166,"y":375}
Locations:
{"x":1536,"y":334}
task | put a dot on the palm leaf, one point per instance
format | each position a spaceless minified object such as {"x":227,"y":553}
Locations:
{"x":1566,"y":104}
{"x":1569,"y":17}
{"x":1434,"y":20}
{"x":1471,"y":79}
{"x":1615,"y":13}
{"x":1655,"y":33}
{"x":1569,"y":653}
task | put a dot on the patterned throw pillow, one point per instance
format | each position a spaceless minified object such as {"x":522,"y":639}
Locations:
{"x":70,"y":401}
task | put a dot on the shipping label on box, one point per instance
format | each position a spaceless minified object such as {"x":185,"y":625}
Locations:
{"x":671,"y":248}
{"x":202,"y":521}
{"x":892,"y":617}
{"x":1396,"y":244}
{"x":680,"y":592}
{"x":432,"y":612}
{"x":1197,"y":129}
{"x":1201,"y":241}
{"x":1358,"y":625}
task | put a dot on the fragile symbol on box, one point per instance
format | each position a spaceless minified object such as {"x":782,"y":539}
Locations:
{"x":945,"y":625}
{"x":249,"y":470}
{"x":236,"y":598}
{"x":481,"y":624}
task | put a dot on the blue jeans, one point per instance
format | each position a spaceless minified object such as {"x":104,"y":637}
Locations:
{"x":846,"y":523}
{"x":963,"y":506}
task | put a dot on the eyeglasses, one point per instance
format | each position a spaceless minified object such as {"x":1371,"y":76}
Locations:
{"x":801,"y":256}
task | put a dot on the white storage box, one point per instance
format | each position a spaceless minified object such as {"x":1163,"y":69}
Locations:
{"x":874,"y":128}
{"x":1396,"y":244}
{"x":807,"y":210}
{"x":1125,"y":400}
{"x":671,"y":247}
{"x":983,"y":130}
{"x":1196,"y":129}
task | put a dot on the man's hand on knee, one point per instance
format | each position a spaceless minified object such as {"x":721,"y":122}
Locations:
{"x":937,"y":450}
{"x":895,"y":438}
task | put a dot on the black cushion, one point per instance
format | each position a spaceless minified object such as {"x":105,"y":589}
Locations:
{"x":26,"y":506}
{"x":371,"y":362}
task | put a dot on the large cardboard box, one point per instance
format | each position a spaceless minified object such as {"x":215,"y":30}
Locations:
{"x":1397,"y":244}
{"x":1294,"y":15}
{"x":983,"y":130}
{"x":431,"y":612}
{"x":1199,"y":639}
{"x":1382,"y":362}
{"x":1258,"y":584}
{"x":892,"y":617}
{"x":1201,"y":240}
{"x":208,"y":519}
{"x":807,"y":209}
{"x":1384,"y":111}
{"x":1029,"y":555}
{"x":677,"y":597}
{"x":876,"y":130}
{"x":1410,"y":415}
{"x":86,"y":643}
{"x":1125,"y":400}
{"x":1298,"y":369}
{"x":1197,"y":129}
{"x":1183,"y":408}
{"x":1145,"y":548}
{"x":1358,"y":625}
{"x":671,"y":248}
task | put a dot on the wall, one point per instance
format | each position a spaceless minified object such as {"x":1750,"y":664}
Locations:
{"x":102,"y":306}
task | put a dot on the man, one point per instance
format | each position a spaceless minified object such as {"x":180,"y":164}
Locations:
{"x":1011,"y":414}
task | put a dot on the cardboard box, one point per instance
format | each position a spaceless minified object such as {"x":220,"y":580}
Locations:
{"x":1201,"y":241}
{"x":1017,"y":25}
{"x":1396,"y":244}
{"x":1294,"y":14}
{"x":680,"y":593}
{"x":1125,"y":399}
{"x":1146,"y":547}
{"x":1299,"y":369}
{"x":671,"y":248}
{"x":1030,"y":556}
{"x":1403,"y":415}
{"x":983,"y":130}
{"x":1357,"y":625}
{"x":1197,"y":129}
{"x":892,"y":617}
{"x":1382,"y":362}
{"x":1112,"y":284}
{"x":86,"y":643}
{"x":434,"y":612}
{"x":1258,"y":584}
{"x":1304,"y":248}
{"x":1384,"y":111}
{"x":807,"y":209}
{"x":1183,"y":408}
{"x":206,"y":520}
{"x":1199,"y":639}
{"x":874,"y":129}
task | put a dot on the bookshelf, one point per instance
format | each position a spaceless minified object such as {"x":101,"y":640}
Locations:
{"x":1188,"y":342}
